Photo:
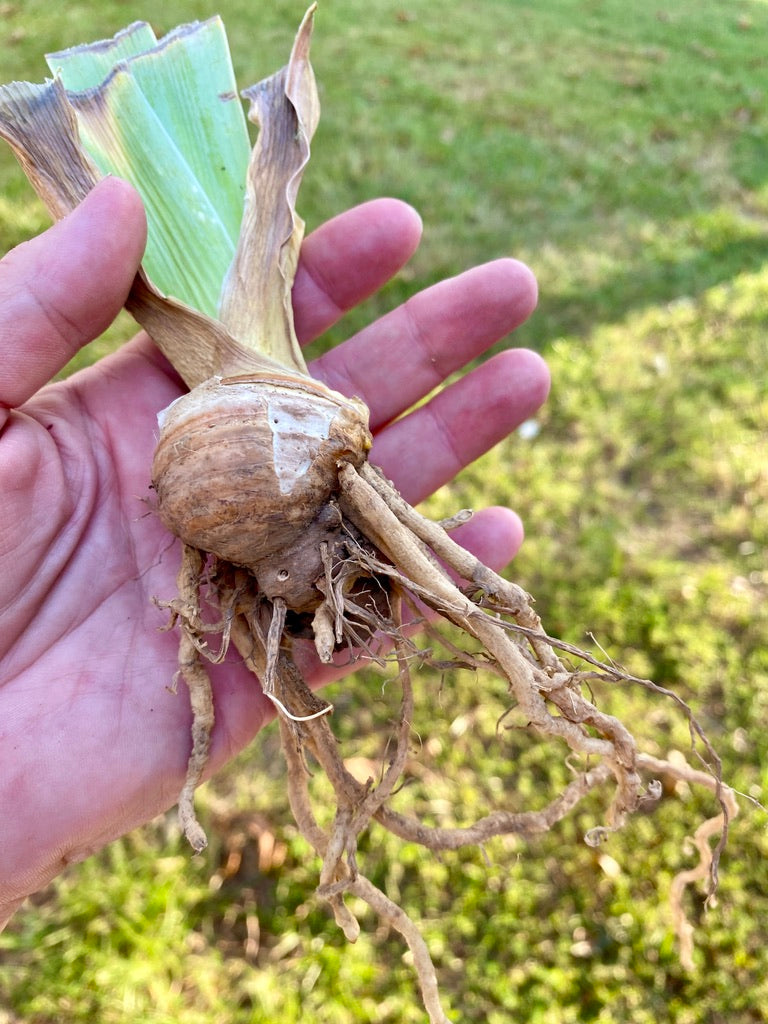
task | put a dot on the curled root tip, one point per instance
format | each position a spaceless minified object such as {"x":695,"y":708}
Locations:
{"x":195,"y":835}
{"x":346,"y":920}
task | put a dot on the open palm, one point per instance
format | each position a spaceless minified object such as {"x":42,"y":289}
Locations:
{"x":92,"y":742}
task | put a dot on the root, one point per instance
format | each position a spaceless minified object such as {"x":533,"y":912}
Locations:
{"x":533,"y":680}
{"x":201,"y":700}
{"x":707,"y":867}
{"x":192,"y":670}
{"x":357,"y":805}
{"x":389,"y":568}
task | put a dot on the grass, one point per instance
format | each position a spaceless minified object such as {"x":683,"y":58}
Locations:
{"x":622,"y":150}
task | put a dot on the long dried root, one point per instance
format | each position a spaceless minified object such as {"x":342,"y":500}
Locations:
{"x":357,"y":804}
{"x":532,"y":684}
{"x":191,"y":669}
{"x":305,"y":730}
{"x":708,"y":858}
{"x":201,"y":700}
{"x":386,"y":561}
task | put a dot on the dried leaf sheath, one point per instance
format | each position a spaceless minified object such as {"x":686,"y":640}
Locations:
{"x":256,"y":299}
{"x":40,"y":127}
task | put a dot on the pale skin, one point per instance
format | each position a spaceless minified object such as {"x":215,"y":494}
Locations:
{"x":92,"y":742}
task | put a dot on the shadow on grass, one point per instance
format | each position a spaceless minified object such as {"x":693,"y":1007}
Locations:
{"x":649,"y":281}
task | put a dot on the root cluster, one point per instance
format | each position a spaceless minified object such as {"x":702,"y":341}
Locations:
{"x":389,"y":567}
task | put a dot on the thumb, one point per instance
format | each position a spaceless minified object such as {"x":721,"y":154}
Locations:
{"x":62,"y":289}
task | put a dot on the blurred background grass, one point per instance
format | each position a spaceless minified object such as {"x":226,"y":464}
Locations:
{"x":622,"y":151}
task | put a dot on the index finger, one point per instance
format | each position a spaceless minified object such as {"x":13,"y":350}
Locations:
{"x":400,"y":358}
{"x":349,"y":258}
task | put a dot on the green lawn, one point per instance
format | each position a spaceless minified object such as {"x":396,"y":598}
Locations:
{"x":621,"y":150}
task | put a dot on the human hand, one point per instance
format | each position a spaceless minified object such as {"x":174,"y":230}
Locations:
{"x":92,"y":743}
